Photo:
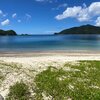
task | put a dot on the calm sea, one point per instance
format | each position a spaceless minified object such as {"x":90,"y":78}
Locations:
{"x":49,"y":42}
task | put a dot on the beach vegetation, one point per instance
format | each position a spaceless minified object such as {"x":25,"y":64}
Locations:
{"x":2,"y":77}
{"x":71,"y":81}
{"x":19,"y":91}
{"x":8,"y":32}
{"x":76,"y":82}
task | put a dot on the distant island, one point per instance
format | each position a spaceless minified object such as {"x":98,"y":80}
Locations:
{"x":7,"y":33}
{"x":84,"y":29}
{"x":11,"y":33}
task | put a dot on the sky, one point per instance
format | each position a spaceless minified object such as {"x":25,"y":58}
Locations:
{"x":47,"y":16}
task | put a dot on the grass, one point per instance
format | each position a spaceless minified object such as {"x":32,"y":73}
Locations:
{"x":10,"y":66}
{"x":2,"y":77}
{"x":18,"y":91}
{"x":6,"y":68}
{"x":81,"y":82}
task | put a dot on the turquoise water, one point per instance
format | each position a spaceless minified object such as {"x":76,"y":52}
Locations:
{"x":49,"y":42}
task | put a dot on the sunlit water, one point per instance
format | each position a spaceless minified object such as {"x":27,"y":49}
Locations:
{"x":49,"y":42}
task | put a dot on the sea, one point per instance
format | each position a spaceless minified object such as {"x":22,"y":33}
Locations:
{"x":49,"y":43}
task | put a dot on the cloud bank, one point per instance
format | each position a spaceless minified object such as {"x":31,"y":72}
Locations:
{"x":97,"y":21}
{"x":82,"y":13}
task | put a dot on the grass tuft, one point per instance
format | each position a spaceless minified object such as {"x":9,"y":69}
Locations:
{"x":19,"y":91}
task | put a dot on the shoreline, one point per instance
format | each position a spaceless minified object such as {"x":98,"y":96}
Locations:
{"x":50,"y":53}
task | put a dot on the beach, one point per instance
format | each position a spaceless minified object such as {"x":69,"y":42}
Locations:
{"x":25,"y":63}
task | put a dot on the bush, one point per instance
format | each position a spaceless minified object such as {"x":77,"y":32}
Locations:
{"x":19,"y":91}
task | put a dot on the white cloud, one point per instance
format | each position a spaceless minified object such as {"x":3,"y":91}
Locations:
{"x":28,"y":16}
{"x":98,"y":21}
{"x":14,"y":15}
{"x":69,"y":12}
{"x":94,"y":8}
{"x":39,"y":0}
{"x":63,"y":5}
{"x":1,"y":12}
{"x":81,"y":13}
{"x":5,"y":22}
{"x":60,"y":6}
{"x":50,"y":1}
{"x":19,"y":21}
{"x":4,"y":15}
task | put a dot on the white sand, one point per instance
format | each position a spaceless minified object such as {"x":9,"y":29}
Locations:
{"x":49,"y":59}
{"x":37,"y":63}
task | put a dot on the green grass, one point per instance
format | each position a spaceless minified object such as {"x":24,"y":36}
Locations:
{"x":6,"y":68}
{"x":10,"y":66}
{"x":81,"y":82}
{"x":2,"y":77}
{"x":19,"y":91}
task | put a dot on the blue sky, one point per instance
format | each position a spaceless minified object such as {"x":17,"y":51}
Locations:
{"x":47,"y":16}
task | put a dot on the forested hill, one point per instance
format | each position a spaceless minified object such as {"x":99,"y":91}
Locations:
{"x":85,"y":29}
{"x":8,"y":32}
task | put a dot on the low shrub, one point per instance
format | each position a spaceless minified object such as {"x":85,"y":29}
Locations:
{"x":19,"y":91}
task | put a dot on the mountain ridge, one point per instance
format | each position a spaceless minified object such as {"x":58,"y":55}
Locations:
{"x":84,"y":29}
{"x":7,"y":33}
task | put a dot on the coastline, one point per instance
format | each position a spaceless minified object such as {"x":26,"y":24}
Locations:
{"x":50,"y":53}
{"x":61,"y":57}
